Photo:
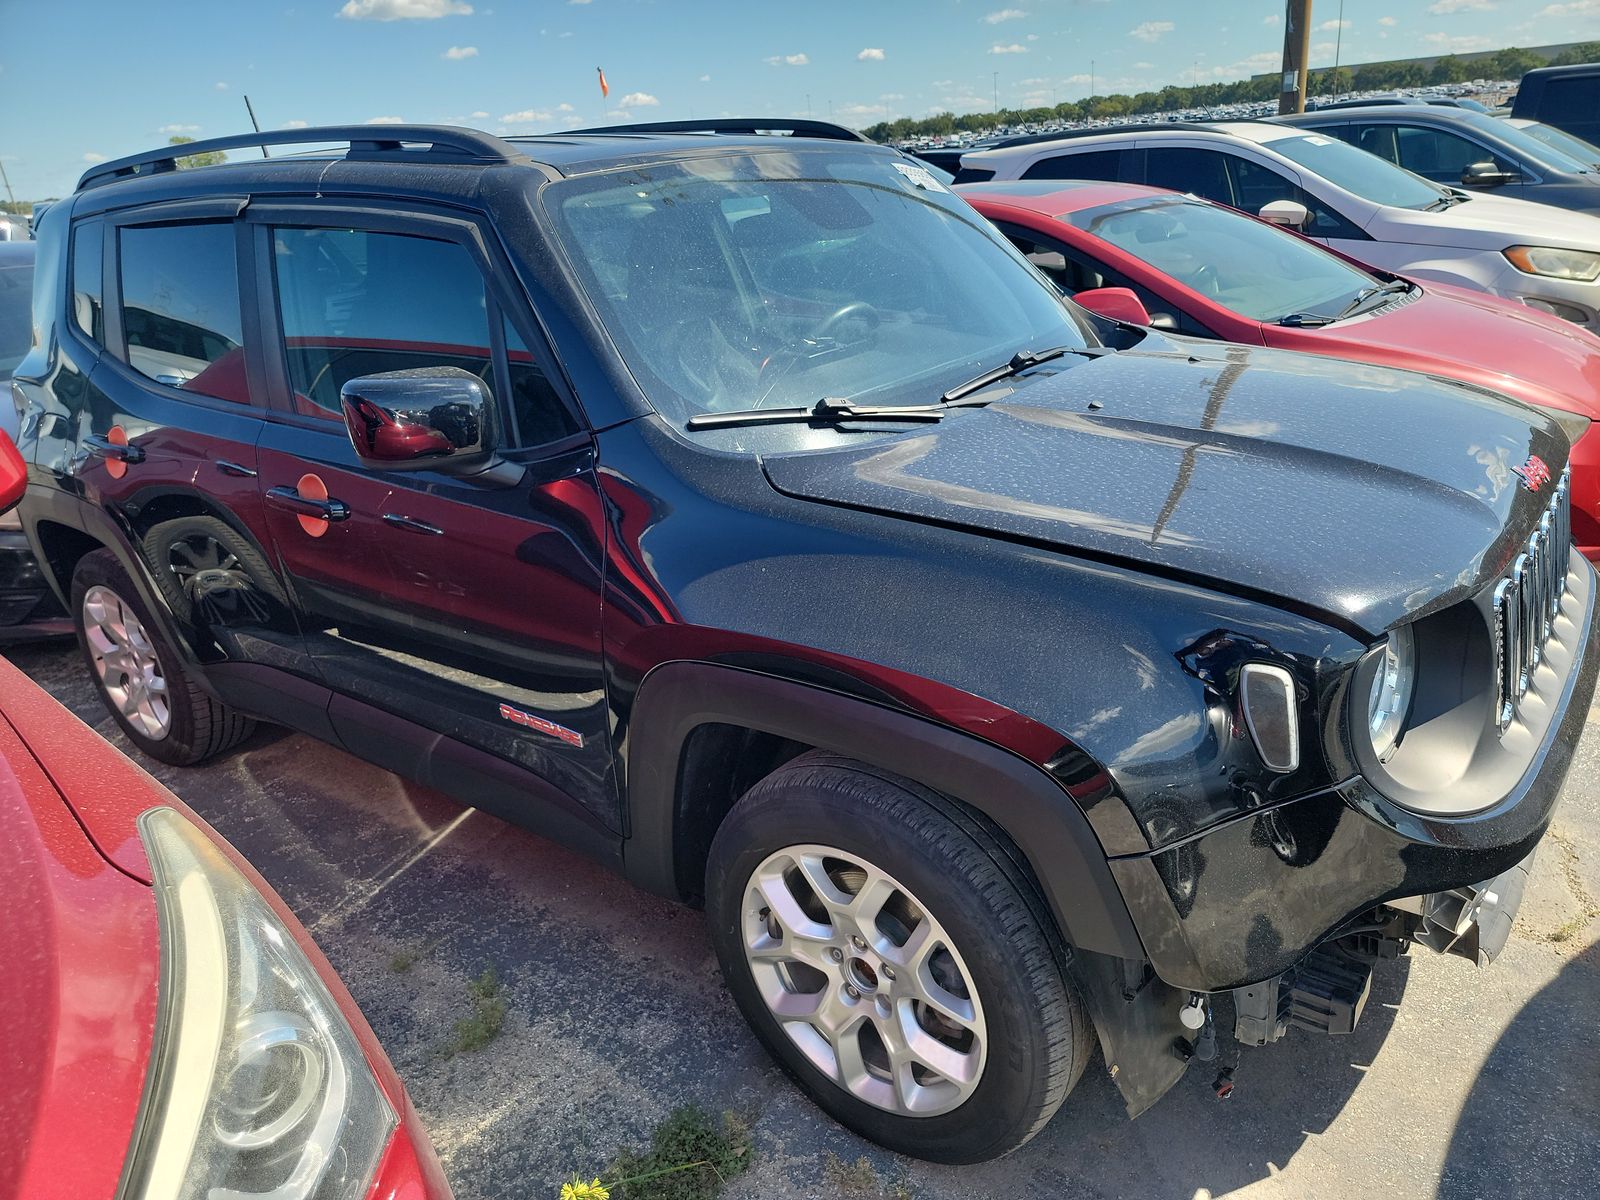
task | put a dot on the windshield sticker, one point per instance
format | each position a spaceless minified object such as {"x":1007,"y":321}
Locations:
{"x":1319,"y":141}
{"x":920,"y":176}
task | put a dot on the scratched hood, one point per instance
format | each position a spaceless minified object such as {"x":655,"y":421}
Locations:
{"x":1341,"y":490}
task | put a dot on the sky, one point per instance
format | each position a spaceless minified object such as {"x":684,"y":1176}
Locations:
{"x":85,"y":80}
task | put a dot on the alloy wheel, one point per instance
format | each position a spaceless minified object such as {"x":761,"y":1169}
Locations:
{"x":864,"y":981}
{"x":126,"y":663}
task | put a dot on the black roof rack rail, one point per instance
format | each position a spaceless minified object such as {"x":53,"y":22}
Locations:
{"x":445,"y":144}
{"x":1096,"y":130}
{"x":742,"y":125}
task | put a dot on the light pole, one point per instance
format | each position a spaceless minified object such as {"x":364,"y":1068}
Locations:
{"x":997,"y":92}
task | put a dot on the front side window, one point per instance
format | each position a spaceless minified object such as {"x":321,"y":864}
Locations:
{"x":1254,"y":269}
{"x":355,"y":303}
{"x":1358,"y":173}
{"x":779,"y":278}
{"x":180,"y":307}
{"x":1440,"y":156}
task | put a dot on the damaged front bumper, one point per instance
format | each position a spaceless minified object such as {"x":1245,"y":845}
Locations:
{"x":1327,"y":991}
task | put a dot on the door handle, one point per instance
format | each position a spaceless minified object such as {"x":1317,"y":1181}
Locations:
{"x":411,"y":524}
{"x":290,"y":500}
{"x":104,"y":447}
{"x":238,"y":470}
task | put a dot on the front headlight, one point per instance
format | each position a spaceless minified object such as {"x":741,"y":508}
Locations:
{"x":1554,"y":263}
{"x":257,"y":1085}
{"x":1392,"y":685}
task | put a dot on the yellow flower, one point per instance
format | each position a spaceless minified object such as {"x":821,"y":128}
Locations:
{"x":576,"y":1189}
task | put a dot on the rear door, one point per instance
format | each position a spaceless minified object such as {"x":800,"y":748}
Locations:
{"x":169,"y":421}
{"x":464,"y":607}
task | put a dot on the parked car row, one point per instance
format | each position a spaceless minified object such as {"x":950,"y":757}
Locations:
{"x":1008,"y":677}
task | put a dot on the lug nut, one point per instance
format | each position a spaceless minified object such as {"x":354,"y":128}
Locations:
{"x":888,"y":972}
{"x":858,"y":942}
{"x":836,"y":954}
{"x":851,"y":992}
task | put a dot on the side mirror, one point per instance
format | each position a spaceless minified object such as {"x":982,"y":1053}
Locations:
{"x":1289,"y":213}
{"x":427,"y":419}
{"x":13,"y":474}
{"x":1118,"y":303}
{"x":1486,"y":174}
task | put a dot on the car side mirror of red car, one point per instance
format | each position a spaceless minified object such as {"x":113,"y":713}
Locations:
{"x":13,"y":474}
{"x":1118,"y":303}
{"x":427,"y":419}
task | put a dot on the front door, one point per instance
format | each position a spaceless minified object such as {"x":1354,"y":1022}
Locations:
{"x":468,"y":607}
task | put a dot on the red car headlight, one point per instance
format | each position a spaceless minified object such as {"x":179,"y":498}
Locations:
{"x":258,"y":1087}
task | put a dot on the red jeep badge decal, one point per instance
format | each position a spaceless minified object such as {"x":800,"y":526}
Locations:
{"x":1533,"y":473}
{"x":528,"y":721}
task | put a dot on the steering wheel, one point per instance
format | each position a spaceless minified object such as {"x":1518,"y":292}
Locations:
{"x":856,"y":308}
{"x":1205,"y":280}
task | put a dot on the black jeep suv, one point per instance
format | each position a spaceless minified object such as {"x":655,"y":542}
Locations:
{"x":743,"y":510}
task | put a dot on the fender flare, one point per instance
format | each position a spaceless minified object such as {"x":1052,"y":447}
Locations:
{"x":1042,"y":821}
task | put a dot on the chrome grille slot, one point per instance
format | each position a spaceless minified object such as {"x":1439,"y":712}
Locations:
{"x":1528,"y":599}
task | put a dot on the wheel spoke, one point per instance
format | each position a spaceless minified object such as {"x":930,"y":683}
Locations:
{"x":943,"y":1001}
{"x":776,"y":895}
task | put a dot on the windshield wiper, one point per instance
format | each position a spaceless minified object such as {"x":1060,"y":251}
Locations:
{"x":827,"y":411}
{"x":1448,"y":200}
{"x":1300,"y":320}
{"x":1021,"y":361}
{"x":1371,"y":293}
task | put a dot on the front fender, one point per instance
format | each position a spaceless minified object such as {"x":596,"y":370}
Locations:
{"x":1041,"y":820}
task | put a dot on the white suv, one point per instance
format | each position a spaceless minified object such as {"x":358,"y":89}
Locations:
{"x":1354,"y":202}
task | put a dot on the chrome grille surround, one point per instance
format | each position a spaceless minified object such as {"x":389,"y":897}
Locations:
{"x":1528,"y":599}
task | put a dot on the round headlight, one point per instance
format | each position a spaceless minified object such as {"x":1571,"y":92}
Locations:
{"x":1391,"y":691}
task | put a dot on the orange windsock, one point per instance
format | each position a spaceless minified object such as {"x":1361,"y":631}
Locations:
{"x":605,"y":88}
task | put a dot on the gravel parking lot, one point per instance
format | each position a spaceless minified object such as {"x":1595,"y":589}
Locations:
{"x":1480,"y":1084}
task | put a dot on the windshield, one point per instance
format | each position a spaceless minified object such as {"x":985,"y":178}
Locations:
{"x":1585,"y":153}
{"x":777,"y":279}
{"x":1357,"y":172}
{"x":16,"y":320}
{"x":1257,"y":270}
{"x":1547,"y":153}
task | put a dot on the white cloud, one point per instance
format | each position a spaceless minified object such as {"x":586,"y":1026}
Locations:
{"x":457,"y":53}
{"x":892,"y":96}
{"x":1004,"y":14}
{"x":705,"y":79}
{"x":179,"y":129}
{"x":221,"y":87}
{"x":560,"y":108}
{"x":403,"y":10}
{"x":1014,"y":48}
{"x":296,"y":124}
{"x":527,"y":116}
{"x":788,"y":60}
{"x":861,"y":114}
{"x":1463,"y":44}
{"x":639,"y":100}
{"x":1330,"y":26}
{"x":577,"y":1}
{"x":386,"y":121}
{"x":1151,"y":31}
{"x":1144,"y":66}
{"x":92,"y":157}
{"x":1272,"y":19}
{"x":1444,"y":8}
{"x":1578,"y":8}
{"x":870,"y":54}
{"x":1389,"y":21}
{"x":480,"y":116}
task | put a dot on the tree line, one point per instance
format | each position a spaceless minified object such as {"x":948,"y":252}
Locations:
{"x":1510,"y":63}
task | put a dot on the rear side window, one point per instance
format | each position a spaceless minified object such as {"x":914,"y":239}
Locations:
{"x":355,"y":303}
{"x":180,"y":307}
{"x":1094,"y":164}
{"x":88,"y":314}
{"x":1574,"y":100}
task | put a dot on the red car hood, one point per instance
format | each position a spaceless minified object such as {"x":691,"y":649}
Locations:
{"x":78,"y":991}
{"x":1474,"y":337}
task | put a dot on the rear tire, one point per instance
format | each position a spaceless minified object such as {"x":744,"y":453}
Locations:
{"x":827,"y":839}
{"x":141,"y":677}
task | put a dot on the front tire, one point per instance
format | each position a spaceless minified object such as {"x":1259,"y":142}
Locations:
{"x":881,"y":944}
{"x":139,"y":673}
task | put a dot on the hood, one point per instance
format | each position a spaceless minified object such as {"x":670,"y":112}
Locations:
{"x":1354,"y":494}
{"x":1493,"y":223}
{"x":1470,"y":336}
